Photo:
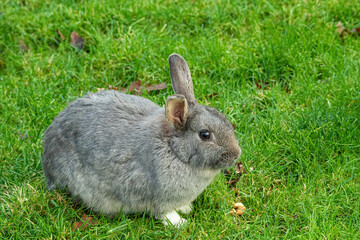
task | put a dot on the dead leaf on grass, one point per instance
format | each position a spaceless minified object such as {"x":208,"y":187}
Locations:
{"x":76,"y":41}
{"x":85,"y":223}
{"x":340,"y":28}
{"x":240,"y":168}
{"x":136,"y":86}
{"x":212,"y":95}
{"x":121,"y":89}
{"x":344,"y":33}
{"x":287,"y":89}
{"x":355,"y":31}
{"x":62,"y":38}
{"x":261,"y":85}
{"x":231,"y":178}
{"x":238,"y":209}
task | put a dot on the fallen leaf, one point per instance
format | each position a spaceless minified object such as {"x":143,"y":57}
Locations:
{"x":261,"y":85}
{"x":85,"y":223}
{"x":227,"y":173}
{"x":240,"y":168}
{"x":160,"y":86}
{"x":22,"y":46}
{"x":100,"y":89}
{"x":62,"y":38}
{"x":233,"y":179}
{"x":136,"y":86}
{"x":229,"y":179}
{"x":238,"y":209}
{"x":287,"y":90}
{"x":76,"y":41}
{"x":340,"y":28}
{"x":213,"y":95}
{"x":233,"y":183}
{"x":343,"y":32}
{"x":121,"y":89}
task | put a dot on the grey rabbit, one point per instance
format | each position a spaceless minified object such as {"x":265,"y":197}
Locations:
{"x":119,"y":152}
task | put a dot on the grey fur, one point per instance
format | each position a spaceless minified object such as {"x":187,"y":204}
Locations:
{"x":119,"y":152}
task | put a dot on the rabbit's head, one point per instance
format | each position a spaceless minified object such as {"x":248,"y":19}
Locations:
{"x":202,"y":136}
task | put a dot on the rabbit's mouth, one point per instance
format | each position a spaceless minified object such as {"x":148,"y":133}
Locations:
{"x":227,"y":159}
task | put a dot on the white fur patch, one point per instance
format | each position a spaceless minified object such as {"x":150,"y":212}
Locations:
{"x":174,"y":218}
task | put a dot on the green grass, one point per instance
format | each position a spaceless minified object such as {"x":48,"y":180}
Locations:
{"x":300,"y":135}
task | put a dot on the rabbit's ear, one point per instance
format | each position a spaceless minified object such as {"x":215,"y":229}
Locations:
{"x":181,"y":77}
{"x":177,"y":111}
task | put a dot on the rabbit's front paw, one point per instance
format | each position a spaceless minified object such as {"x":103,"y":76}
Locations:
{"x":186,"y":209}
{"x":173,"y":218}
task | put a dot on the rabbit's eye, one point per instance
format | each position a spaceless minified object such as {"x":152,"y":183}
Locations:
{"x":205,"y":135}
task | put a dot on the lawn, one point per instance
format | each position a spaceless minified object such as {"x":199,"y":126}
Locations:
{"x":279,"y":70}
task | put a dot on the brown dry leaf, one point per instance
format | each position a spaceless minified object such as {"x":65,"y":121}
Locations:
{"x":233,"y":183}
{"x":121,"y":89}
{"x":287,"y":90}
{"x":160,"y":86}
{"x":85,"y":223}
{"x":62,"y":38}
{"x":22,"y":46}
{"x":238,"y":209}
{"x":229,"y":179}
{"x":213,"y":95}
{"x":227,"y":174}
{"x":76,"y":41}
{"x":240,"y":168}
{"x":343,"y":32}
{"x":261,"y":85}
{"x":136,"y":86}
{"x":340,"y":28}
{"x":356,"y":31}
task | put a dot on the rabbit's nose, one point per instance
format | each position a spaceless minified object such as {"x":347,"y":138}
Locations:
{"x":237,"y":152}
{"x":234,"y":148}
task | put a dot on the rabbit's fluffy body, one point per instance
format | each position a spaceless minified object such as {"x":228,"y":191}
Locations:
{"x":122,"y":152}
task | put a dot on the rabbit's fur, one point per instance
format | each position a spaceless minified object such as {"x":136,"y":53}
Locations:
{"x":123,"y":152}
